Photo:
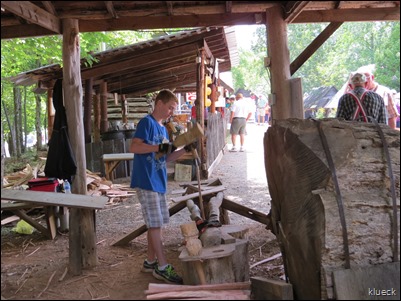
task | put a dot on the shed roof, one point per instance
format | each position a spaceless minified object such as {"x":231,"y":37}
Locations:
{"x":164,"y":62}
{"x":38,"y":18}
{"x":319,"y":97}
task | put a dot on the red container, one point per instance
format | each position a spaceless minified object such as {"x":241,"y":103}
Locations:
{"x":43,"y":184}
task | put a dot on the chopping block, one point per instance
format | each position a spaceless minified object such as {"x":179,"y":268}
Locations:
{"x":224,"y":263}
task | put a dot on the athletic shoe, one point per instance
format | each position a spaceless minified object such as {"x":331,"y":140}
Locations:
{"x":168,"y":275}
{"x":242,"y":149}
{"x":233,"y":149}
{"x":148,"y":267}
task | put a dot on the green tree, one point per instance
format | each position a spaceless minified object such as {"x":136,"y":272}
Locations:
{"x":353,"y":45}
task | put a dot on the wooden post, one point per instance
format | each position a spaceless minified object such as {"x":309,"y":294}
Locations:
{"x":82,"y":233}
{"x":88,"y":111}
{"x":50,"y":113}
{"x":103,"y":108}
{"x":276,"y":30}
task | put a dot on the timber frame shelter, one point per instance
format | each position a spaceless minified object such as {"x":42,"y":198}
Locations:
{"x":20,"y":19}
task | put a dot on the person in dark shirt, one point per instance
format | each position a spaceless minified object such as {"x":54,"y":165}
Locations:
{"x":361,"y":104}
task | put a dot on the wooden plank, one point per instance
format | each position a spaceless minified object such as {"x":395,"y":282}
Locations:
{"x":196,"y":195}
{"x":269,"y":289}
{"x":54,"y":198}
{"x":376,"y":282}
{"x":245,"y":211}
{"x":121,"y":156}
{"x":32,"y":222}
{"x":10,"y":219}
{"x":162,"y":287}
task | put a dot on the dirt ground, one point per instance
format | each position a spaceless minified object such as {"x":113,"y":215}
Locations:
{"x":33,"y":267}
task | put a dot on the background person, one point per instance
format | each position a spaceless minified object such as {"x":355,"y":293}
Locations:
{"x":261,"y":109}
{"x":385,"y":93}
{"x":240,"y":113}
{"x":360,"y":104}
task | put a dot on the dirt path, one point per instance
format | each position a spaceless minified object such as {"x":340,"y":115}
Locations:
{"x":33,"y":268}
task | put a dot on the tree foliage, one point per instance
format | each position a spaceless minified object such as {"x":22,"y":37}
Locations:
{"x":353,"y":45}
{"x":21,"y":55}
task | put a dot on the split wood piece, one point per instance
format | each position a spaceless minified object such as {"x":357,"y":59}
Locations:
{"x":194,"y":247}
{"x":214,"y":207}
{"x":142,"y":229}
{"x":192,"y":243}
{"x":195,"y":195}
{"x":269,"y":289}
{"x":209,"y":253}
{"x":186,"y":138}
{"x":202,"y":295}
{"x":194,"y":210}
{"x":162,"y":287}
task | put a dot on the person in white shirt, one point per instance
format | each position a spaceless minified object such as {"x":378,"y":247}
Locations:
{"x":240,"y":113}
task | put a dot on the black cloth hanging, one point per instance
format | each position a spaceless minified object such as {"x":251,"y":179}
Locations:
{"x":60,"y":161}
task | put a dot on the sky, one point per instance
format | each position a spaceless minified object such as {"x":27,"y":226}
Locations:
{"x":244,"y":34}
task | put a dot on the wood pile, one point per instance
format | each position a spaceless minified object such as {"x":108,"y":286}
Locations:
{"x":96,"y":185}
{"x":224,"y":291}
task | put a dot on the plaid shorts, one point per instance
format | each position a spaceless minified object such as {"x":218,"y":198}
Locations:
{"x":154,"y":208}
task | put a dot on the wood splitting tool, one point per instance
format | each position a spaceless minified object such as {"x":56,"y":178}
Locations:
{"x":186,"y":138}
{"x":197,"y":163}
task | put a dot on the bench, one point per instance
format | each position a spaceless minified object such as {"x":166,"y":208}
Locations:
{"x":28,"y":199}
{"x":112,"y":160}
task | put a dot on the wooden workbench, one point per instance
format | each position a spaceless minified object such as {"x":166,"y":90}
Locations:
{"x":27,"y":199}
{"x":112,"y":160}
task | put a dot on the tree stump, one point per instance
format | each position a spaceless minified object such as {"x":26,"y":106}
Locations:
{"x":223,"y":263}
{"x":305,"y":214}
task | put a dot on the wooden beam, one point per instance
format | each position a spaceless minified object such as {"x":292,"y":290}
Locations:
{"x":295,"y":10}
{"x":316,"y":43}
{"x":136,"y":62}
{"x":349,"y":15}
{"x":33,"y":14}
{"x":156,"y":22}
{"x":110,"y":9}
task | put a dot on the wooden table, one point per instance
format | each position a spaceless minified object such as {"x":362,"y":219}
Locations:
{"x":27,"y":199}
{"x":112,"y":160}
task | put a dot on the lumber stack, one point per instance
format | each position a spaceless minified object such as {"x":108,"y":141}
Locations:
{"x":225,"y":291}
{"x":305,"y":211}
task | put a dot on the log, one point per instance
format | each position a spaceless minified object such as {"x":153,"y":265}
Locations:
{"x":305,"y":213}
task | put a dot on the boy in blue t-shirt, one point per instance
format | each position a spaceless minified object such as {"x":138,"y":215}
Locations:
{"x":149,"y":178}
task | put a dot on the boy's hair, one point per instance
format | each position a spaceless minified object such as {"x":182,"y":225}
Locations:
{"x":165,"y":96}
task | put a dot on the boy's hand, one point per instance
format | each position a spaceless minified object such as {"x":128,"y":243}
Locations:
{"x":166,"y":148}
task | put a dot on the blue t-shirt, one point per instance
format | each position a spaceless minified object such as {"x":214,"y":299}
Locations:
{"x":148,"y":172}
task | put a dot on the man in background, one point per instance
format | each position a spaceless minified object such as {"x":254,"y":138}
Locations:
{"x":361,"y":104}
{"x":385,"y":93}
{"x":240,"y":113}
